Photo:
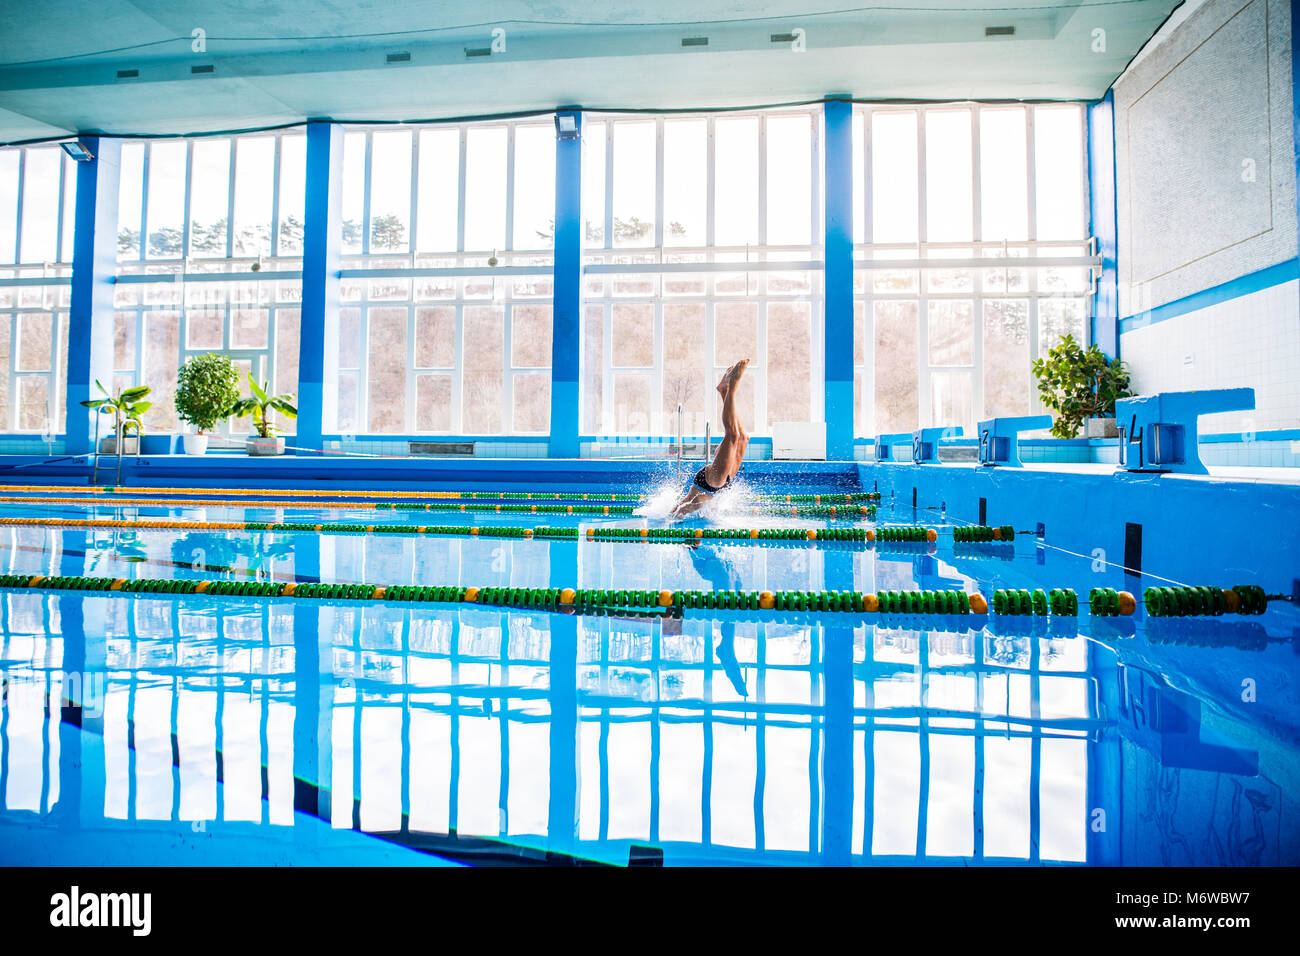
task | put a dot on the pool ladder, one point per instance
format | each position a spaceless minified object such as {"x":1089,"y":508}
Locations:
{"x":119,"y":435}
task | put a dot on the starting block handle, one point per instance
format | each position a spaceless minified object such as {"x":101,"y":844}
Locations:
{"x":1000,"y":438}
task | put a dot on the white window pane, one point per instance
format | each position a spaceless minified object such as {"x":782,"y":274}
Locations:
{"x":593,"y":184}
{"x":254,"y":172}
{"x":789,"y":180}
{"x":8,"y":203}
{"x":1058,"y":171}
{"x":859,"y":177}
{"x":209,"y":198}
{"x":69,"y":208}
{"x":685,"y":182}
{"x":129,"y":198}
{"x":1057,"y":318}
{"x":293,"y":194}
{"x":894,"y":177}
{"x":534,"y":191}
{"x":1004,"y":184}
{"x":686,"y":368}
{"x":951,"y":332}
{"x":390,"y":190}
{"x":1006,"y":357}
{"x":896,"y":371}
{"x":166,"y":200}
{"x":948,"y":175}
{"x":386,"y":371}
{"x":789,"y":362}
{"x":40,"y":212}
{"x":438,"y":190}
{"x":354,"y":191}
{"x":482,"y":373}
{"x":485,"y":189}
{"x":950,"y":398}
{"x":735,"y":144}
{"x":634,"y":184}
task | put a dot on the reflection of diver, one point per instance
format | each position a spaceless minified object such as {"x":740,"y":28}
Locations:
{"x":711,"y":565}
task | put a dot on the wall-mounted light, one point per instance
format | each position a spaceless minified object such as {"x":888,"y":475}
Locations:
{"x":566,"y":125}
{"x":77,"y":151}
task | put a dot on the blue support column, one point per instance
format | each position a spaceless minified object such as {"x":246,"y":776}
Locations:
{"x":1103,"y":222}
{"x":566,"y":337}
{"x":838,"y":337}
{"x":94,"y":266}
{"x":322,"y":247}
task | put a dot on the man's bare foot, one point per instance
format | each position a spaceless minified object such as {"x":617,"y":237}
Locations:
{"x":725,"y":384}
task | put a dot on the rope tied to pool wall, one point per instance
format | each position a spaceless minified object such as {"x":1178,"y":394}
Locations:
{"x":1059,"y":602}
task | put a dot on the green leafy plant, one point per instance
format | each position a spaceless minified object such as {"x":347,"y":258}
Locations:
{"x":260,"y":404}
{"x":1078,"y":384}
{"x":207,"y":388}
{"x":125,"y":405}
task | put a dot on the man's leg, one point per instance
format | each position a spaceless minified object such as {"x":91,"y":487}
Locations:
{"x":731,"y":450}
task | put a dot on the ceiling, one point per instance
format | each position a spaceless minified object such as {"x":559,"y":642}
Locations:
{"x":273,"y":62}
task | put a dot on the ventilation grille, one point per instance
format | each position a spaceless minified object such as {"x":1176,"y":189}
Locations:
{"x":464,"y":448}
{"x":127,"y":74}
{"x":999,"y":31}
{"x":695,"y":41}
{"x":208,"y":68}
{"x":399,"y":58}
{"x":782,"y":37}
{"x":478,"y":51}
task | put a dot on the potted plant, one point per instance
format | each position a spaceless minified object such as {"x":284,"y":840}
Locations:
{"x":127,"y":409}
{"x":207,"y":387}
{"x":259,"y":405}
{"x":1081,"y":386}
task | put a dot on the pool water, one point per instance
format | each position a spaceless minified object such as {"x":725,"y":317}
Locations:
{"x":198,"y":729}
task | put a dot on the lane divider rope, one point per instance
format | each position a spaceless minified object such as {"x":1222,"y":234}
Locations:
{"x":817,"y":499}
{"x":1058,"y":602}
{"x":813,"y":511}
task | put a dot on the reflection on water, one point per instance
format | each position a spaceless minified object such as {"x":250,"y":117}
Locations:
{"x":323,"y":730}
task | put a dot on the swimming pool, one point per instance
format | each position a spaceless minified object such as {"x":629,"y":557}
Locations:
{"x":202,"y":728}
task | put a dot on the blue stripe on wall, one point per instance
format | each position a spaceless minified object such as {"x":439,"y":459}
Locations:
{"x":1234,"y":289}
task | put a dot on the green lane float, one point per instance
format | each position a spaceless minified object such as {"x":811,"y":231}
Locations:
{"x":983,"y":532}
{"x":1206,"y":601}
{"x":921,"y":602}
{"x":906,"y":533}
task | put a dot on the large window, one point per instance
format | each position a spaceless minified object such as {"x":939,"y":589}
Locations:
{"x":703,"y":246}
{"x":37,"y":207}
{"x":195,"y":217}
{"x":950,"y":343}
{"x":448,"y":234}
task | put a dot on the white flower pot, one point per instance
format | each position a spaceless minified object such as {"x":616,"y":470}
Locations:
{"x":257,"y":445}
{"x":195,"y":444}
{"x":108,"y":445}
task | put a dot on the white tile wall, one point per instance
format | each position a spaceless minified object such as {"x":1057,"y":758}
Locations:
{"x":1252,"y":341}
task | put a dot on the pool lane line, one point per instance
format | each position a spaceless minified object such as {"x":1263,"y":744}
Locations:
{"x":813,"y":511}
{"x":789,"y":537}
{"x":1060,"y":602}
{"x":813,"y":499}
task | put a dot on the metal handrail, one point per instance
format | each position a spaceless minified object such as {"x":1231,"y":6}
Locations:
{"x":139,"y":440}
